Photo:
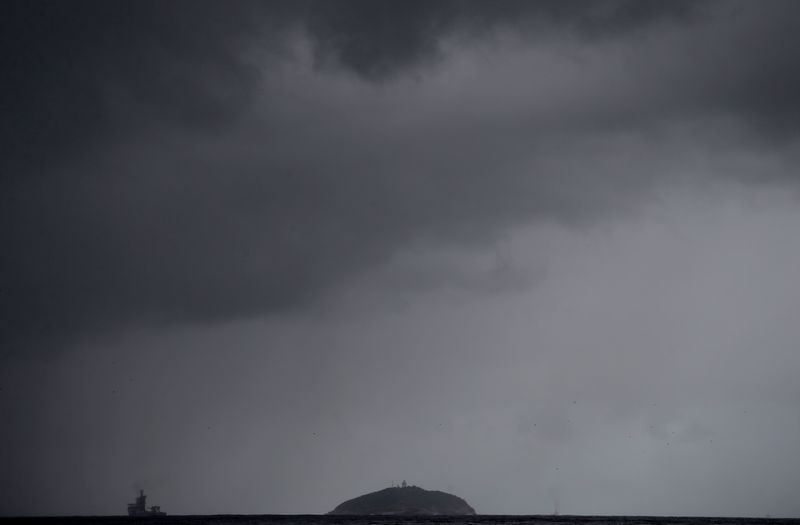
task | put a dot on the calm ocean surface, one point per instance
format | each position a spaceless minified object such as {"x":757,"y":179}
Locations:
{"x":388,"y":520}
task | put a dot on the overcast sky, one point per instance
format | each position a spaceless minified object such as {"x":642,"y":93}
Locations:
{"x":263,"y":257}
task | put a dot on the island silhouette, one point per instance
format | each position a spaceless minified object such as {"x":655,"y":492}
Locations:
{"x":405,"y":500}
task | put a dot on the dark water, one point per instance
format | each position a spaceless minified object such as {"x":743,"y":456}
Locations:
{"x":401,"y":520}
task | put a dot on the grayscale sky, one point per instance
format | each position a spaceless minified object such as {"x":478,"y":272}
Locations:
{"x":263,"y":257}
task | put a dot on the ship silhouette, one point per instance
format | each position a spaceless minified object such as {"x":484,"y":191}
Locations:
{"x":139,"y":508}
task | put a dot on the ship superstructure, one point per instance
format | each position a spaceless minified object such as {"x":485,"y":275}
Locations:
{"x":139,"y":508}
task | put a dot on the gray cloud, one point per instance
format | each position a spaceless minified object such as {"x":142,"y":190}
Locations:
{"x":162,"y":167}
{"x":626,"y":380}
{"x":379,"y":39}
{"x":82,"y":70}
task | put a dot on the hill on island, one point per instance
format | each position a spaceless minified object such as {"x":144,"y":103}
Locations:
{"x":405,"y":501}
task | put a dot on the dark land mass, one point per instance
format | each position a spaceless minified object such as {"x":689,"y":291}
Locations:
{"x":405,"y":501}
{"x":255,"y":519}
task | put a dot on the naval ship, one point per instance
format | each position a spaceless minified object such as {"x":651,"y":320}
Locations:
{"x":139,"y":509}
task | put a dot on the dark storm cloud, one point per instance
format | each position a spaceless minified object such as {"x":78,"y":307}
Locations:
{"x":80,"y":77}
{"x":75,"y":71}
{"x":152,"y":171}
{"x":80,"y":69}
{"x":762,"y":80}
{"x":378,"y":39}
{"x":93,"y":239}
{"x":748,"y":71}
{"x":743,"y":65}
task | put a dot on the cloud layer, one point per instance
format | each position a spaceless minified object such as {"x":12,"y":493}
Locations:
{"x":177,"y":163}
